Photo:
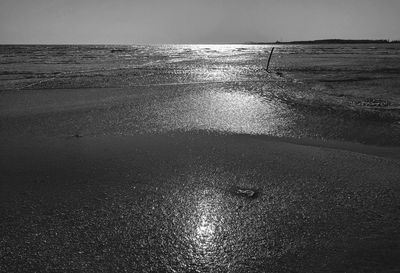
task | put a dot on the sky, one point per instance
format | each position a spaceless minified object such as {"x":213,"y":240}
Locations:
{"x":194,"y":21}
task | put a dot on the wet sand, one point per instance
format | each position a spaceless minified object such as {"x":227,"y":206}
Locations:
{"x":195,"y":202}
{"x":186,"y":179}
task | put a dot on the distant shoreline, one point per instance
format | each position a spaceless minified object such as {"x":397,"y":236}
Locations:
{"x":327,"y":41}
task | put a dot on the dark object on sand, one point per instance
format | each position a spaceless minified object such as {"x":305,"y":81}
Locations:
{"x":269,"y":58}
{"x":246,"y":193}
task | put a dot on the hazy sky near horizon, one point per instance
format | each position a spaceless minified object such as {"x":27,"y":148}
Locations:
{"x":195,"y":21}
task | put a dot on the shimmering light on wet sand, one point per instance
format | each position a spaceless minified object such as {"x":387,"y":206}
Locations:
{"x":222,"y":110}
{"x":206,"y":225}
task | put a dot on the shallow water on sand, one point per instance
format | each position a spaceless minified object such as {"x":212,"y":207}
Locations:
{"x":343,"y":92}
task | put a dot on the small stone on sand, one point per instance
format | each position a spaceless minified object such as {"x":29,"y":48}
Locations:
{"x":246,"y":192}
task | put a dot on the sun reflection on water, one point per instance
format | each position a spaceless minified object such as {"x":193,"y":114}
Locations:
{"x":218,"y":73}
{"x":222,"y":110}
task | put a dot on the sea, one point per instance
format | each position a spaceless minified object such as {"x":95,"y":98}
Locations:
{"x":345,"y":92}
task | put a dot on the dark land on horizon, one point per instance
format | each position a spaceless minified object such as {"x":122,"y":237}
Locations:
{"x":329,"y":41}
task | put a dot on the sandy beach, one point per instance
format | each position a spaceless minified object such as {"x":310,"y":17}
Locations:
{"x":89,"y":183}
{"x":195,"y":159}
{"x":153,"y":203}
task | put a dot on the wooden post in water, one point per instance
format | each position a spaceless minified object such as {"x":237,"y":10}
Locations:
{"x":270,"y":55}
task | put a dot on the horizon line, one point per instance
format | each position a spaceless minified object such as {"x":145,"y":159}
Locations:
{"x":316,"y":41}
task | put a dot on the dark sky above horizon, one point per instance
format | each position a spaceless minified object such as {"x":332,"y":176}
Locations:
{"x":191,"y":21}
